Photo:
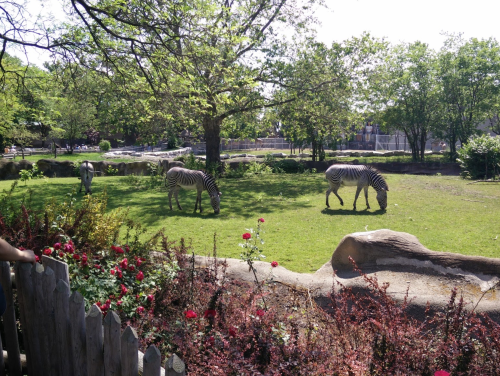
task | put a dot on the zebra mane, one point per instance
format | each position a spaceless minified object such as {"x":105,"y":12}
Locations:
{"x":373,"y":169}
{"x":211,"y":178}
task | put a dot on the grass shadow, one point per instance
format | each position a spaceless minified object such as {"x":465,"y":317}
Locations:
{"x":329,"y":211}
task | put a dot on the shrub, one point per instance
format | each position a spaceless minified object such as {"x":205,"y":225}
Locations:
{"x":34,"y":173}
{"x":104,"y":145}
{"x":480,"y":157}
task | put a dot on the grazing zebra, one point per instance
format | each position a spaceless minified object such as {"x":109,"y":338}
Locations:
{"x":189,"y":179}
{"x":360,"y":176}
{"x":86,"y":175}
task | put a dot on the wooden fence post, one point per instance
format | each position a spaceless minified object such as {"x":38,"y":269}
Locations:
{"x":152,"y":362}
{"x":44,"y":336}
{"x":95,"y":356}
{"x":130,"y":356}
{"x":25,"y":294}
{"x":60,"y":268}
{"x":9,"y":323}
{"x":174,"y":366}
{"x":112,"y":345}
{"x":61,"y":309}
{"x":77,"y":333}
{"x":49,"y":323}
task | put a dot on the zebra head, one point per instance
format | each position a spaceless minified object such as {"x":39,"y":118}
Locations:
{"x":215,"y":202}
{"x":382,"y":198}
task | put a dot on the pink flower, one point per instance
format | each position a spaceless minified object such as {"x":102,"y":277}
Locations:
{"x":57,"y":246}
{"x":97,"y":266}
{"x":112,"y":271}
{"x":139,"y":276}
{"x":131,"y":268}
{"x":76,"y":257}
{"x":140,"y":309}
{"x":260,"y":312}
{"x":138,"y":262}
{"x":61,"y":254}
{"x":119,"y":303}
{"x":260,"y":220}
{"x":68,"y":248}
{"x":37,"y":259}
{"x":246,"y":236}
{"x":84,"y":257}
{"x":117,"y":249}
{"x":47,"y":251}
{"x":210,"y":313}
{"x":190,"y":314}
{"x":150,"y":298}
{"x":105,"y":307}
{"x":123,"y":289}
{"x":274,"y":264}
{"x":441,"y":373}
{"x":98,"y":304}
{"x":127,"y":248}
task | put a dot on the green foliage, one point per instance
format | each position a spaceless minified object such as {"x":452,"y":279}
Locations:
{"x":104,"y":145}
{"x":191,"y":162}
{"x":111,"y":171}
{"x":34,"y":173}
{"x":234,"y":173}
{"x":480,"y":157}
{"x":256,"y":168}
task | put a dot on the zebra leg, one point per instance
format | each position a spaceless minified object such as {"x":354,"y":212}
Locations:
{"x":366,"y":197}
{"x":170,"y":198}
{"x":328,"y":194}
{"x":198,"y":200}
{"x":176,"y":195}
{"x":358,"y":190}
{"x":336,"y":194}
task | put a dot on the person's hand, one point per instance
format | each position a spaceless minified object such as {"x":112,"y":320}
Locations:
{"x":27,"y":256}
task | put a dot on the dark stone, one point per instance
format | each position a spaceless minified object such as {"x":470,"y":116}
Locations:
{"x":9,"y":169}
{"x":53,"y":168}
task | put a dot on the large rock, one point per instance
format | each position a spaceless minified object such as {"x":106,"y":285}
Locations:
{"x":53,"y":168}
{"x":9,"y":169}
{"x":386,"y":248}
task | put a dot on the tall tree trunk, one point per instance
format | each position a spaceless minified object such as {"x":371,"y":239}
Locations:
{"x":211,"y":125}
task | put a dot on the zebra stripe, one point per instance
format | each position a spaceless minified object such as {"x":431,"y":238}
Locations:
{"x":360,"y":176}
{"x":189,"y":179}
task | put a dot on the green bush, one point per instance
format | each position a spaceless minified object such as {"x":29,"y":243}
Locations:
{"x":104,"y":145}
{"x":480,"y":157}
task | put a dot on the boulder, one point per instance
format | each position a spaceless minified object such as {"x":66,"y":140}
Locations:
{"x":9,"y":169}
{"x":383,"y":249}
{"x":53,"y":168}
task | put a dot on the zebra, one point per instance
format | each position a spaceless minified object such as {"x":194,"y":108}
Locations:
{"x":360,"y":176}
{"x":190,"y":179}
{"x":86,"y":175}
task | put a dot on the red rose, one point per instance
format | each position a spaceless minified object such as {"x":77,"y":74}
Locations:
{"x":274,"y":264}
{"x":84,"y":257}
{"x":119,"y":250}
{"x":190,"y":314}
{"x":131,"y":268}
{"x":127,"y":248}
{"x":232,"y":331}
{"x":139,"y":276}
{"x":124,"y":263}
{"x":150,"y":298}
{"x":119,"y":303}
{"x":57,"y":246}
{"x":61,"y":254}
{"x":138,"y":262}
{"x":260,"y":312}
{"x":47,"y":251}
{"x":247,"y":236}
{"x":76,"y":257}
{"x":112,"y":271}
{"x":37,"y":259}
{"x":98,"y":304}
{"x":97,"y":266}
{"x":441,"y":373}
{"x":260,"y":220}
{"x":140,"y":309}
{"x":210,"y":313}
{"x":123,"y":289}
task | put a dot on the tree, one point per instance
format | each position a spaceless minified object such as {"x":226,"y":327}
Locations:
{"x":408,"y":89}
{"x":322,"y":116}
{"x":20,"y":134}
{"x":204,"y":60}
{"x":469,"y":72}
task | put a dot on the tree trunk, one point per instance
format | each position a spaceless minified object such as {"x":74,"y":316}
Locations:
{"x":211,"y":125}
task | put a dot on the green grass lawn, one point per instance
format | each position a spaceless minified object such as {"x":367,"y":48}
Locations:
{"x":445,"y":213}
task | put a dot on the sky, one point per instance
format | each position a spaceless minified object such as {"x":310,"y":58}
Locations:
{"x":395,"y":20}
{"x":409,"y":21}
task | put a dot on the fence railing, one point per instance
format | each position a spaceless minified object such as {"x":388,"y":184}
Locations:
{"x":60,"y":339}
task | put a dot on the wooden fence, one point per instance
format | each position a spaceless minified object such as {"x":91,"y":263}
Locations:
{"x":60,"y":339}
